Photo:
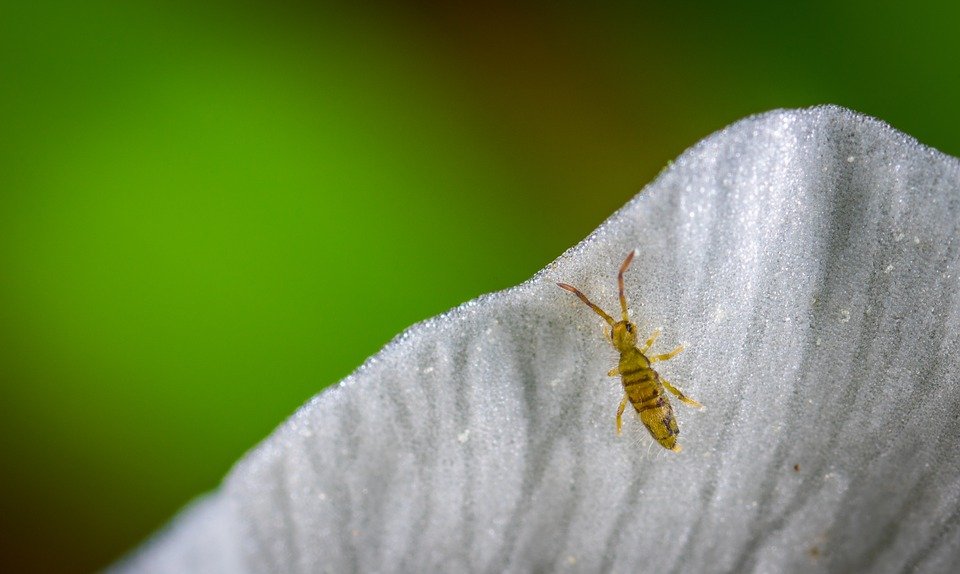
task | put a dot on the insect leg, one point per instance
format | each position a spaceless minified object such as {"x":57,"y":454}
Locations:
{"x":683,"y":398}
{"x":623,"y":405}
{"x":666,"y":356}
{"x":649,"y":343}
{"x":613,"y":372}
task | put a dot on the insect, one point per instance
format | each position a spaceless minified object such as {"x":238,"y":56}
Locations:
{"x":643,"y":387}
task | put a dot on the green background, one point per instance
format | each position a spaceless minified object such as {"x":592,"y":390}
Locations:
{"x":208,"y":213}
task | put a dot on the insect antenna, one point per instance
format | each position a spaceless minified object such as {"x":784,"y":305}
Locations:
{"x":623,"y":297}
{"x":583,"y":298}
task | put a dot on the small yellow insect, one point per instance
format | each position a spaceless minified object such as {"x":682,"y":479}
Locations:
{"x":642,"y":386}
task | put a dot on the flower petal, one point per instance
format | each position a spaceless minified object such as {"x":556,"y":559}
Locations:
{"x":807,"y":260}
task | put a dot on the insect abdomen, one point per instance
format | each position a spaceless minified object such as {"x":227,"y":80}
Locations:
{"x":661,"y":423}
{"x":646,"y":394}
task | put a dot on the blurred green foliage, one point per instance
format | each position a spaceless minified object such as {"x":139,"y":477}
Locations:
{"x":209,"y":213}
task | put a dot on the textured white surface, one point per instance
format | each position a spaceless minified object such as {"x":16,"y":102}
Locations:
{"x":809,"y":262}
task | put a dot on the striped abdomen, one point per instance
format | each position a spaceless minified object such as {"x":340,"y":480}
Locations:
{"x":647,"y":395}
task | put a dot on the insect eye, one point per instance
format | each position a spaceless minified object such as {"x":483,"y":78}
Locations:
{"x":629,"y":328}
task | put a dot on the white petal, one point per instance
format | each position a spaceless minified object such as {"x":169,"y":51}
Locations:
{"x":808,"y":260}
